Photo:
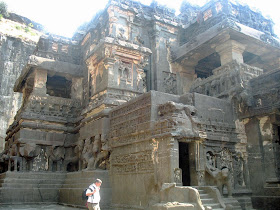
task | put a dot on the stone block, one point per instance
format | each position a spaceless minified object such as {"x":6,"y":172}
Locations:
{"x":173,"y":206}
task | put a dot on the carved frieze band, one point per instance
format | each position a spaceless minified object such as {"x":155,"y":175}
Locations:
{"x":226,"y":78}
{"x":141,"y":162}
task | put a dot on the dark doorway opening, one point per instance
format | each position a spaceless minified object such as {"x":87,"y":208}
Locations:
{"x":184,"y":163}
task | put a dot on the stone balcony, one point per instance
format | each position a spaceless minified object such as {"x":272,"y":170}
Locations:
{"x":226,"y":79}
{"x":54,"y":106}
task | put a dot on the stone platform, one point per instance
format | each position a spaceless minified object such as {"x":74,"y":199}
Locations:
{"x":36,"y":190}
{"x":38,"y":206}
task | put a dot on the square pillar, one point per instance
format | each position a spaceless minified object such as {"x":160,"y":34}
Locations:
{"x":229,"y":51}
{"x":77,"y":88}
{"x":40,"y":80}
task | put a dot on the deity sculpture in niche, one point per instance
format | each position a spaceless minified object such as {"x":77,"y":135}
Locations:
{"x":124,"y":71}
{"x":178,"y":176}
{"x":40,"y":162}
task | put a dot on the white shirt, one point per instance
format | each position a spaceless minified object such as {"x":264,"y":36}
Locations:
{"x":95,"y":198}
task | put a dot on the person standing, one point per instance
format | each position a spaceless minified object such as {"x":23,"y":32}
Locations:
{"x":94,"y":195}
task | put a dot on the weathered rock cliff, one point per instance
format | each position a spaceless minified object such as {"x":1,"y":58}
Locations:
{"x":17,"y":42}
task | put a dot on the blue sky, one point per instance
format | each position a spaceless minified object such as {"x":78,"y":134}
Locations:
{"x":63,"y":17}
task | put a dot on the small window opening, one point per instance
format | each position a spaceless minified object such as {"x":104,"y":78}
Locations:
{"x":59,"y":86}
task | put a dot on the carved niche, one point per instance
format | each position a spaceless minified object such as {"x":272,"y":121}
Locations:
{"x":124,"y":72}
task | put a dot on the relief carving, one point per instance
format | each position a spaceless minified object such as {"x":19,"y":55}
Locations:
{"x":95,"y":153}
{"x":221,"y":175}
{"x":55,"y":156}
{"x":124,"y":72}
{"x":178,"y":176}
{"x":169,"y":83}
{"x":181,"y":119}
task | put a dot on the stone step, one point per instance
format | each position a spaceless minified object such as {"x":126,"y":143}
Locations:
{"x":24,"y":186}
{"x":27,"y":195}
{"x":35,"y":175}
{"x":202,"y":192}
{"x":75,"y":182}
{"x":204,"y":196}
{"x":32,"y":181}
{"x":30,"y":187}
{"x":207,"y":201}
{"x":84,"y":185}
{"x":214,"y":205}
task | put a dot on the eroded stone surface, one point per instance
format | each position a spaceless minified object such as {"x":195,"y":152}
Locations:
{"x":168,"y":105}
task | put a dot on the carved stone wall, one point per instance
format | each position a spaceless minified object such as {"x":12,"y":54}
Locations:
{"x":106,"y":112}
{"x":212,"y":14}
{"x":228,"y":79}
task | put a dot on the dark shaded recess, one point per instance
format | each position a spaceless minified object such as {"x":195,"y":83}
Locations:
{"x":59,"y":86}
{"x":184,"y":163}
{"x":206,"y":65}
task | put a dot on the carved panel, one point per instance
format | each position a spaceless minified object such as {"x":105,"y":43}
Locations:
{"x":140,"y":162}
{"x":169,"y":82}
{"x":225,"y":79}
{"x":53,"y":106}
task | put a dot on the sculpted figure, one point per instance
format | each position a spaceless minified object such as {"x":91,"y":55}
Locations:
{"x":86,"y":153}
{"x":103,"y":156}
{"x":178,"y":176}
{"x":79,"y":150}
{"x":71,"y":159}
{"x":55,"y":154}
{"x":221,"y":176}
{"x":100,"y":153}
{"x":29,"y":150}
{"x":95,"y":150}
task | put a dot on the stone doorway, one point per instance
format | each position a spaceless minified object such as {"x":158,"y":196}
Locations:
{"x":184,"y":163}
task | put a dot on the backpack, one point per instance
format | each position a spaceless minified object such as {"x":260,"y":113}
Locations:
{"x":84,"y":197}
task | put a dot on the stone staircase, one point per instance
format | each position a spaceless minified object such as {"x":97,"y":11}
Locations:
{"x":212,"y":199}
{"x":30,"y":187}
{"x":70,"y":192}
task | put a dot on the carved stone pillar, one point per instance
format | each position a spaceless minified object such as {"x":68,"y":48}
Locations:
{"x":187,"y":75}
{"x":77,"y":88}
{"x":246,"y":173}
{"x":24,"y":164}
{"x":197,"y":167}
{"x":229,"y":51}
{"x":187,"y":79}
{"x":9,"y":165}
{"x":174,"y":157}
{"x":40,"y":80}
{"x":112,"y":71}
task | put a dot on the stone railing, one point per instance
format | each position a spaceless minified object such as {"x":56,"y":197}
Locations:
{"x":226,"y":79}
{"x":53,"y":106}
